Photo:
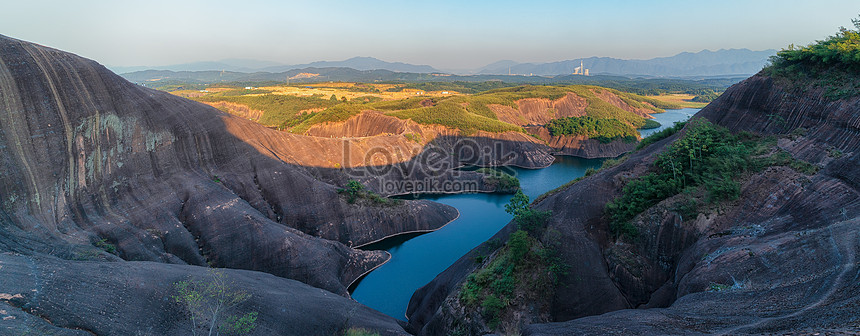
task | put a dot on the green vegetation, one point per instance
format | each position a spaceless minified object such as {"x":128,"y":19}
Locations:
{"x":458,"y":86}
{"x":559,"y":188}
{"x":354,"y":191}
{"x":669,"y":131}
{"x":835,"y":153}
{"x":638,"y":101}
{"x":519,"y":266}
{"x":211,"y":303}
{"x":468,"y":113}
{"x":503,"y":182}
{"x":604,"y":130}
{"x":404,"y":104}
{"x":360,"y":332}
{"x":242,"y":92}
{"x":413,"y":137}
{"x":832,"y":63}
{"x":523,"y":265}
{"x":104,"y":245}
{"x":340,"y":112}
{"x":278,"y":110}
{"x":455,"y":116}
{"x":706,"y":97}
{"x":528,"y":219}
{"x":707,"y":160}
{"x":650,"y":124}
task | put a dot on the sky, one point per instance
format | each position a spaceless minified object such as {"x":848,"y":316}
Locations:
{"x":445,"y":34}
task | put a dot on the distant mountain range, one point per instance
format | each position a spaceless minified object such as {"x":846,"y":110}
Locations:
{"x":722,"y":62}
{"x":706,"y":63}
{"x":249,"y":66}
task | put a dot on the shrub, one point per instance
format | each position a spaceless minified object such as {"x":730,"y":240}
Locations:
{"x":492,"y":306}
{"x":661,"y":135}
{"x":707,"y":157}
{"x":503,"y":182}
{"x":211,"y":303}
{"x":705,"y":97}
{"x":354,"y":190}
{"x":516,"y":267}
{"x":104,"y":245}
{"x":360,"y":332}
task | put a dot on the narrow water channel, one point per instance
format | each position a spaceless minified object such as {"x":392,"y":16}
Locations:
{"x":416,"y":259}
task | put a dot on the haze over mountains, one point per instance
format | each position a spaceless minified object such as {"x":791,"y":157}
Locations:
{"x":722,"y":62}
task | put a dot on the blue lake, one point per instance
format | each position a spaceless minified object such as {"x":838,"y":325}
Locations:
{"x":669,"y":118}
{"x":417,"y":258}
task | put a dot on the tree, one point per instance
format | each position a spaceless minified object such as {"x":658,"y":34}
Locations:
{"x":518,"y":204}
{"x":210,"y":303}
{"x":333,"y":98}
{"x":527,"y":219}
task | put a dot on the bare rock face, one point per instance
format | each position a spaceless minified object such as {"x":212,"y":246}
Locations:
{"x":581,"y":146}
{"x":779,"y":259}
{"x":92,"y":163}
{"x":49,"y":296}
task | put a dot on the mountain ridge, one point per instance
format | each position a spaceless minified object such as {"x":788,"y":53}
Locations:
{"x":702,"y":63}
{"x":360,"y":63}
{"x":721,"y":62}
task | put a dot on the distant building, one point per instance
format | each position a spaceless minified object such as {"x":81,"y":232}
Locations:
{"x":580,"y":70}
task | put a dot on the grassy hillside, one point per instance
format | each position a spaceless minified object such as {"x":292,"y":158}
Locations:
{"x":297,"y":108}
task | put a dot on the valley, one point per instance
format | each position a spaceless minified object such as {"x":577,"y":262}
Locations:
{"x":375,"y":202}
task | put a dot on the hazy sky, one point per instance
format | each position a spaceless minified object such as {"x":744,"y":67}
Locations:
{"x":444,"y":34}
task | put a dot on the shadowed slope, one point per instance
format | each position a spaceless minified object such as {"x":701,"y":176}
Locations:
{"x":91,"y":159}
{"x":780,"y":258}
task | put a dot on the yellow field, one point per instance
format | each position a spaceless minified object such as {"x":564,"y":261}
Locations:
{"x":348,"y":90}
{"x":685,"y":100}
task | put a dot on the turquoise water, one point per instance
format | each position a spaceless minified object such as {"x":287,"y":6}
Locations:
{"x":668,"y":118}
{"x":417,"y":258}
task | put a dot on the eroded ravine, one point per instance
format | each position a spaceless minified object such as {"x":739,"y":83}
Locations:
{"x":417,"y":259}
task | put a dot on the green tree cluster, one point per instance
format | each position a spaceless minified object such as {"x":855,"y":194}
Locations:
{"x":503,"y":182}
{"x":832,"y":63}
{"x":527,"y":219}
{"x":354,"y":191}
{"x":603,"y":129}
{"x":842,"y":48}
{"x":705,"y":97}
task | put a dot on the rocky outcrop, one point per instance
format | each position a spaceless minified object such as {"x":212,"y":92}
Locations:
{"x":237,"y":109}
{"x":366,"y":124}
{"x":49,"y":296}
{"x":581,"y":146}
{"x":779,"y":259}
{"x":614,"y":99}
{"x":539,"y":111}
{"x":393,"y":156}
{"x":92,"y":162}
